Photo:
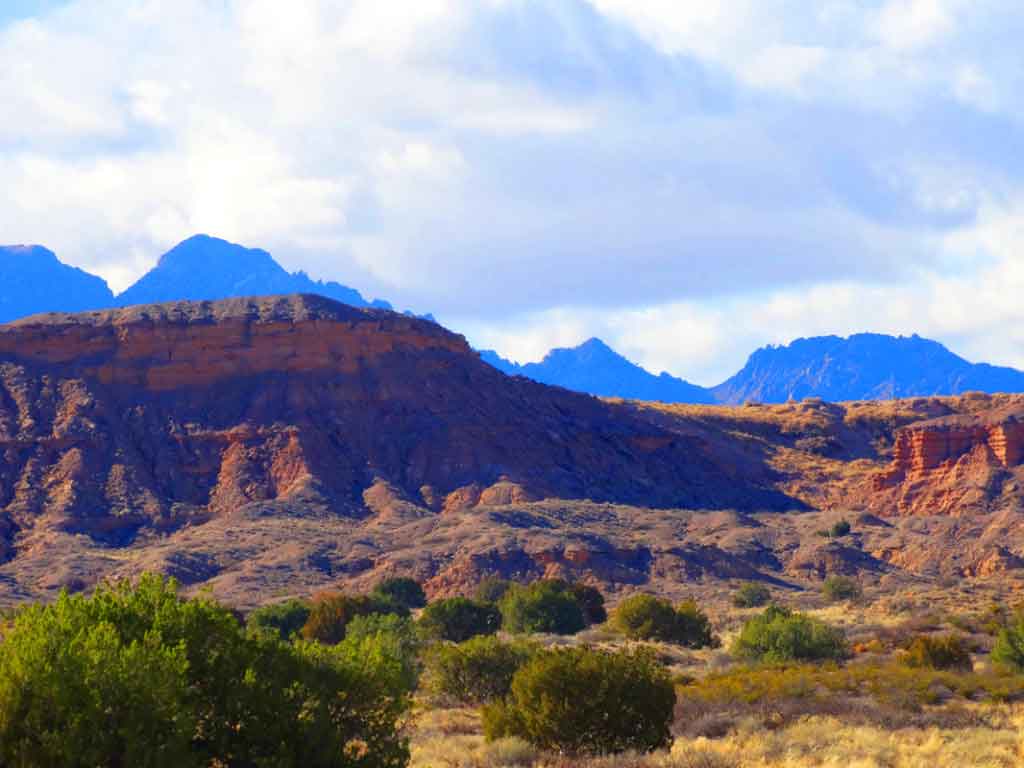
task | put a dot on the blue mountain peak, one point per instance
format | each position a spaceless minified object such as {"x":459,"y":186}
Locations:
{"x":597,"y":369}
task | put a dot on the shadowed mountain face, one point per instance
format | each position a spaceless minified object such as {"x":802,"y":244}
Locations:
{"x":157,"y":415}
{"x":595,"y":368}
{"x":32,"y":280}
{"x":206,"y":268}
{"x":281,"y":445}
{"x":272,"y":447}
{"x":862,"y":367}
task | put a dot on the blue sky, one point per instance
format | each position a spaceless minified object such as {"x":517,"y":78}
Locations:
{"x":686,"y":180}
{"x":13,"y":10}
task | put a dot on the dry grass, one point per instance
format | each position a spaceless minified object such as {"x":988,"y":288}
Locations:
{"x":870,"y":712}
{"x":823,"y":741}
{"x":827,"y":741}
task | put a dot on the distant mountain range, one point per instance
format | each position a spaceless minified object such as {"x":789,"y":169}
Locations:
{"x":208,"y":268}
{"x":864,"y":366}
{"x":33,"y":280}
{"x":596,"y":368}
{"x":861,"y":367}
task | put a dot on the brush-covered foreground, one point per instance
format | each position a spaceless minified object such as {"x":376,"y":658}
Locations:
{"x":543,"y":674}
{"x":881,"y":707}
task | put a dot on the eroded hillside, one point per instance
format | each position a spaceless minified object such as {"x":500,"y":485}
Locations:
{"x":920,"y":456}
{"x":279,"y":446}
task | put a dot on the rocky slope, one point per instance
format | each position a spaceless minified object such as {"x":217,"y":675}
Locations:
{"x":264,"y":447}
{"x":935,"y":456}
{"x":32,"y":280}
{"x":956,"y":465}
{"x":120,"y":423}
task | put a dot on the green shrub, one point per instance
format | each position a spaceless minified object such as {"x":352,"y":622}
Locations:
{"x":788,"y":692}
{"x":581,"y":701}
{"x":779,"y":635}
{"x":136,"y":676}
{"x":476,"y":671}
{"x":284,"y":619}
{"x":840,"y":529}
{"x":492,"y":589}
{"x":591,"y":601}
{"x":402,"y":590}
{"x":943,"y":652}
{"x":693,"y":627}
{"x":645,"y":617}
{"x":458,"y":619}
{"x":395,"y":637}
{"x":73,"y":691}
{"x":751,"y":594}
{"x":998,"y":617}
{"x":1008,"y":650}
{"x":543,"y":606}
{"x":839,"y":588}
{"x":331,"y":613}
{"x":358,"y":688}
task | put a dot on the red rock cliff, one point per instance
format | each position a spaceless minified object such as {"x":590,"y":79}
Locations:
{"x":194,"y":344}
{"x":954,"y":465}
{"x":156,"y":415}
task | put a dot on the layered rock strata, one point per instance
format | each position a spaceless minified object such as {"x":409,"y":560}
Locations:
{"x":954,"y":465}
{"x":157,"y":416}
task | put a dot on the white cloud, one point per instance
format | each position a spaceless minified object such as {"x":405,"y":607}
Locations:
{"x":974,"y":88}
{"x":884,"y":55}
{"x":976,"y":312}
{"x":686,"y":179}
{"x":783,"y":67}
{"x":715,"y":29}
{"x":911,"y":24}
{"x":149,"y":102}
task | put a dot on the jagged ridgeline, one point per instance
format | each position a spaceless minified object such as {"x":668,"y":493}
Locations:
{"x":33,"y":280}
{"x":864,"y":366}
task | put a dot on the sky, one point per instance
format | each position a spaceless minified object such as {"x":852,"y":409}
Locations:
{"x":686,"y":180}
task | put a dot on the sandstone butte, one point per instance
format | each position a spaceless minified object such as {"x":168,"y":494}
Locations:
{"x":278,"y":445}
{"x":153,"y":415}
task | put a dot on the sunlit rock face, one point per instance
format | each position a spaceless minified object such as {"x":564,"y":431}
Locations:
{"x":153,"y":416}
{"x":956,"y":465}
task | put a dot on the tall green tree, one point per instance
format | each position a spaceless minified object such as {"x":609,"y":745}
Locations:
{"x":136,"y":676}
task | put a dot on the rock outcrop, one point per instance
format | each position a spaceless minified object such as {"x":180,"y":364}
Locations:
{"x":193,"y":345}
{"x":151,"y":417}
{"x":955,"y":465}
{"x":279,"y":446}
{"x":931,"y":445}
